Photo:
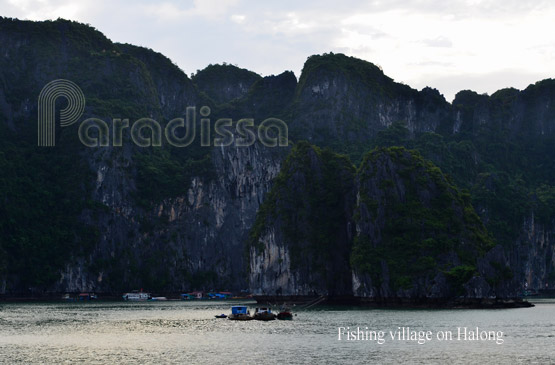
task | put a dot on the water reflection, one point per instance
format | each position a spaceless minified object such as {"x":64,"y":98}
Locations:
{"x":172,"y":332}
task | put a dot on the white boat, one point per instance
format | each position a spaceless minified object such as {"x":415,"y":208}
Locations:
{"x":136,"y":296}
{"x":264,"y":314}
{"x":68,"y":298}
{"x":159,"y":298}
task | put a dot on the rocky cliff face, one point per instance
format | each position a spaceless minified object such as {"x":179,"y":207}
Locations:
{"x":169,"y":219}
{"x":418,"y":236}
{"x":343,"y":100}
{"x":181,"y":235}
{"x":270,"y":96}
{"x":194,"y":240}
{"x":516,"y":127}
{"x":398,"y":229}
{"x":534,"y":255}
{"x":224,"y":83}
{"x":301,"y":240}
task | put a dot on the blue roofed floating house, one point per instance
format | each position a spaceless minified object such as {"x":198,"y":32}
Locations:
{"x":239,"y":309}
{"x":221,"y":295}
{"x":202,"y":295}
{"x":240,"y":312}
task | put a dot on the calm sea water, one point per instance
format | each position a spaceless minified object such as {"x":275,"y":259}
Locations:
{"x":187,"y":332}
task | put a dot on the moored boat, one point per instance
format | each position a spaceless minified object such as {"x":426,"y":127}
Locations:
{"x":285,"y":315}
{"x":240,"y":313}
{"x":68,"y":298}
{"x":87,"y":296}
{"x":530,"y":293}
{"x":264,"y":314}
{"x":159,"y":298}
{"x":136,"y":296}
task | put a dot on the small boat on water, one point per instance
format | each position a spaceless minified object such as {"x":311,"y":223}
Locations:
{"x":240,"y":313}
{"x":158,"y":298}
{"x":221,"y":316}
{"x":285,"y":315}
{"x":530,"y":293}
{"x":68,"y":298}
{"x":81,"y":297}
{"x":264,"y":314}
{"x":136,"y":296}
{"x":88,"y":296}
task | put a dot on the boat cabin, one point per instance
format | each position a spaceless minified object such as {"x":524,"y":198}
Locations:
{"x":239,"y":309}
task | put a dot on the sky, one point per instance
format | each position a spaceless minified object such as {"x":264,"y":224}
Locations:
{"x":481,"y":45}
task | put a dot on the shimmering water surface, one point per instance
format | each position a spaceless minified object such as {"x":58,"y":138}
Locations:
{"x":187,"y":332}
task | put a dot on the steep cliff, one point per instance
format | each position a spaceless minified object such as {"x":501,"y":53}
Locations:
{"x":271,"y":95}
{"x":49,"y":215}
{"x":301,"y":240}
{"x":193,"y":240}
{"x":169,"y":219}
{"x":398,"y":229}
{"x":417,"y":235}
{"x":114,"y":218}
{"x":342,"y":102}
{"x":224,"y":83}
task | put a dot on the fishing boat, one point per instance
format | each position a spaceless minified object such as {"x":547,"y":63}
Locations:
{"x":240,"y":313}
{"x":136,"y":296}
{"x":87,"y":296}
{"x":285,"y":315}
{"x":530,"y":293}
{"x":264,"y":314}
{"x":68,"y":298}
{"x":159,"y":298}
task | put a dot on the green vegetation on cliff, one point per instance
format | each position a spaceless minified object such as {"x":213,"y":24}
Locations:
{"x":412,"y":218}
{"x":411,"y":221}
{"x":48,"y":218}
{"x":499,"y":149}
{"x":223,"y":83}
{"x":44,"y":195}
{"x":307,"y":210}
{"x":355,"y":70}
{"x":506,"y":181}
{"x":308,"y":199}
{"x":166,"y":173}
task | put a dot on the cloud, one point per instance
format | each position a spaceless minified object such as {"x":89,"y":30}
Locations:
{"x":438,"y":42}
{"x":175,"y":11}
{"x":239,"y":19}
{"x":42,"y":9}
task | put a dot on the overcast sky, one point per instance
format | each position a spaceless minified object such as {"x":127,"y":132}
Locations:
{"x":449,"y":45}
